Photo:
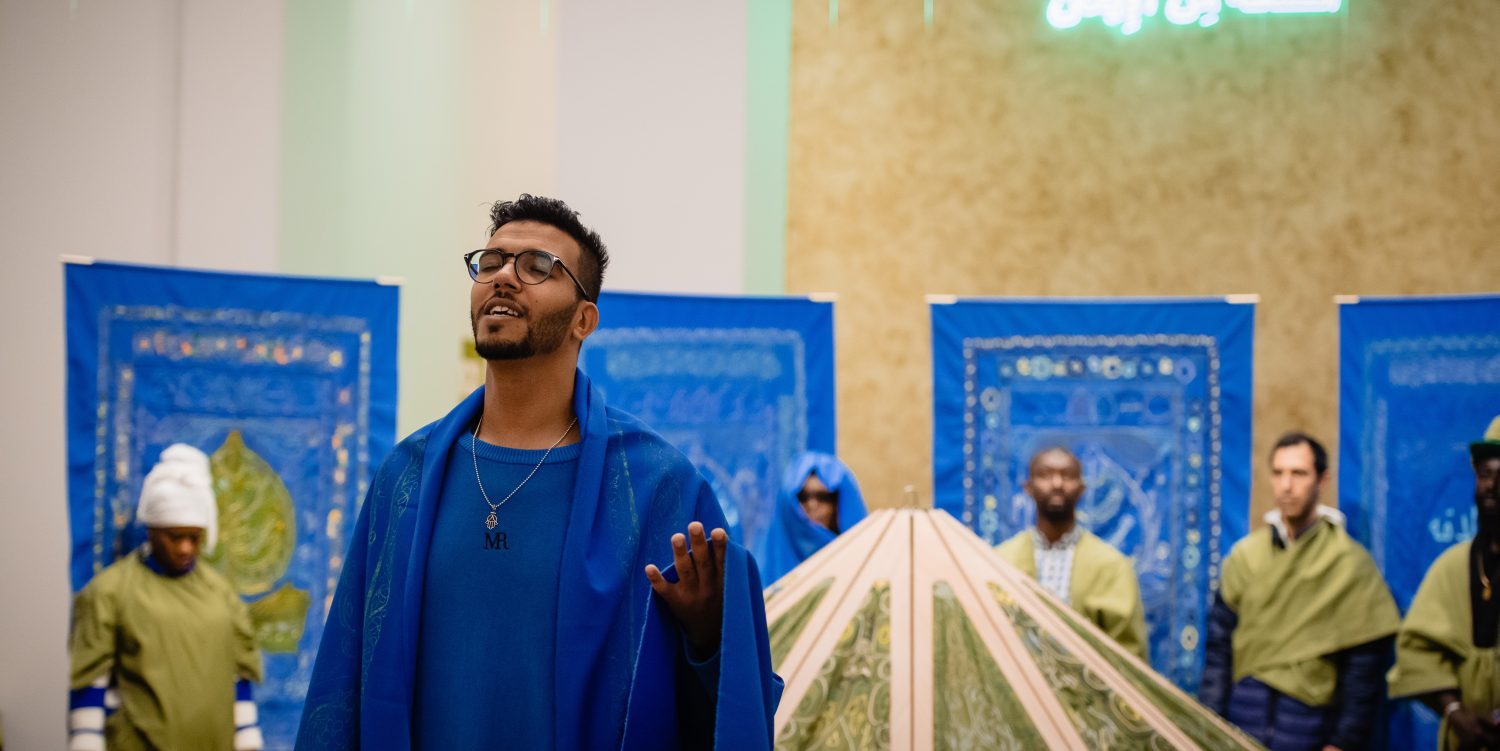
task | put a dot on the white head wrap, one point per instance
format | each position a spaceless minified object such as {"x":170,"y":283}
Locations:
{"x":179,"y":492}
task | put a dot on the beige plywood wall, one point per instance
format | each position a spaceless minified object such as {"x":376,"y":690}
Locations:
{"x":990,"y":154}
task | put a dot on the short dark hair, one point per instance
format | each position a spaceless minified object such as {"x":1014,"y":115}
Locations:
{"x":1297,"y":438}
{"x":529,"y":208}
{"x":1031,"y":465}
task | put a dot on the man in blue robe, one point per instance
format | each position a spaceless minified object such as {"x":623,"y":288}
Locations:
{"x":502,"y":589}
{"x":817,"y":501}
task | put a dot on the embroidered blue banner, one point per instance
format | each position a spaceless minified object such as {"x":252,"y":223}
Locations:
{"x":1154,"y":398}
{"x":289,"y":384}
{"x":1419,"y":378}
{"x":739,"y":384}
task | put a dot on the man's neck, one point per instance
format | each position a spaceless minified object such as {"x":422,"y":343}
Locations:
{"x":528,"y":403}
{"x":1054,"y":530}
{"x":151,"y":557}
{"x":1295,"y":528}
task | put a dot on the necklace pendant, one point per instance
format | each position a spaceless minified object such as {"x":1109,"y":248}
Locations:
{"x":491,"y":520}
{"x":1485,"y":594}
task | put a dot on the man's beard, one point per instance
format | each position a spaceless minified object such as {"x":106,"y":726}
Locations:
{"x":543,"y":336}
{"x":1056,"y":515}
{"x":1489,"y":522}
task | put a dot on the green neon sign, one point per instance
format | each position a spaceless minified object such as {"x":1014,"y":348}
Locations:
{"x":1129,"y":15}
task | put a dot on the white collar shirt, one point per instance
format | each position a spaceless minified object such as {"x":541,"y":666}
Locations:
{"x":1054,"y":561}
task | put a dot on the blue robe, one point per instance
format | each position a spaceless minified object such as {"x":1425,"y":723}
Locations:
{"x":614,"y":677}
{"x":792,"y":537}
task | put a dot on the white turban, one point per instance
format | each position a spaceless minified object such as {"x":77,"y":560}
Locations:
{"x":179,"y":492}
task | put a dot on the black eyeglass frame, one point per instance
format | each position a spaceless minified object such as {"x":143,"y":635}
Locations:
{"x":509,"y":257}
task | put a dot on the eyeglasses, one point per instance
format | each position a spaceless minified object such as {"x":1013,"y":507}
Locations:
{"x":532,"y":267}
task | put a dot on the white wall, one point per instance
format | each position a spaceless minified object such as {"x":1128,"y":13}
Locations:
{"x":404,"y":122}
{"x":417,"y":116}
{"x":651,"y":137}
{"x":228,"y":134}
{"x":126,"y":136}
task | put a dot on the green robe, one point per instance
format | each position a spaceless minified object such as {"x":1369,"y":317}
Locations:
{"x":175,"y":647}
{"x":1103,"y":586}
{"x":1435,"y":649}
{"x":1301,"y":604}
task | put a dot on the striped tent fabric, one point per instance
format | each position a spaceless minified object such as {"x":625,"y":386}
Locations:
{"x":908,"y":632}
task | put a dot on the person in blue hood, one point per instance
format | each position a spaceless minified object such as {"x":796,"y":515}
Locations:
{"x":818,"y":499}
{"x":507,"y":584}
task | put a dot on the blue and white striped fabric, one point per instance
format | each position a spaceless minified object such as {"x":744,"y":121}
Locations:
{"x":89,"y":708}
{"x":247,"y":736}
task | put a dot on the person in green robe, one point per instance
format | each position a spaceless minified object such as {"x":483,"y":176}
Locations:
{"x":162,"y":651}
{"x":1300,"y":630}
{"x":1079,"y":568}
{"x":1446,"y":652}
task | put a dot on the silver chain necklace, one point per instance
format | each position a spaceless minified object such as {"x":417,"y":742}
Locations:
{"x":493,"y":518}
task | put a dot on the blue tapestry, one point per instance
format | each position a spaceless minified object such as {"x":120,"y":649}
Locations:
{"x":1419,"y":378}
{"x":741,"y":385}
{"x":1154,"y":398}
{"x":289,"y":384}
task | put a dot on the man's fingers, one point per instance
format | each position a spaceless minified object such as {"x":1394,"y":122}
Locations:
{"x":658,"y":582}
{"x":721,"y":543}
{"x":701,"y":559}
{"x":686,"y":572}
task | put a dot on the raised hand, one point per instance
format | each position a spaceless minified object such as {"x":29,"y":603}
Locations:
{"x":696,"y":600}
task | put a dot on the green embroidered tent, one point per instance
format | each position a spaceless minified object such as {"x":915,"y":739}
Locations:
{"x":908,"y":632}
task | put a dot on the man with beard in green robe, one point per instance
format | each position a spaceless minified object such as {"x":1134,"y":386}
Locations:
{"x":1082,"y":570}
{"x":1446,"y":652}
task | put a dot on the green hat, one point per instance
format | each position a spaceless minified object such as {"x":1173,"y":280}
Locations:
{"x":1489,"y":446}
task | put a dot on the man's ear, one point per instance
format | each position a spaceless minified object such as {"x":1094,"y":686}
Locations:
{"x":585,"y":320}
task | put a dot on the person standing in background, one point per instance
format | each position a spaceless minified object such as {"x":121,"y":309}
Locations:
{"x":818,"y":500}
{"x":1300,"y":630}
{"x":162,"y":650}
{"x":1079,"y":568}
{"x":1446,"y":651}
